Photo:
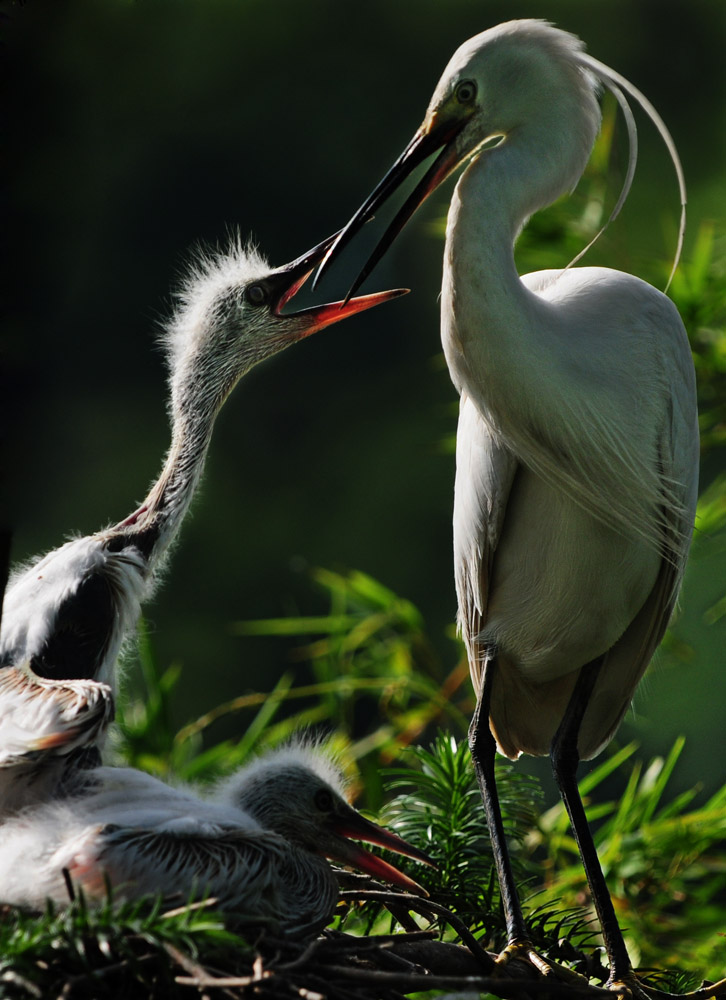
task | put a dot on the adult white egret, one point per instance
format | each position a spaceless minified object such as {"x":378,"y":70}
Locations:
{"x":67,"y":613}
{"x":577,"y":447}
{"x":258,"y":844}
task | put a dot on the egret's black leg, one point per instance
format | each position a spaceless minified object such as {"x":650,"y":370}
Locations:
{"x":565,"y":758}
{"x":483,"y":751}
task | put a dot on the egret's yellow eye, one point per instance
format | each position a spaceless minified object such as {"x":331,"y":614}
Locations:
{"x":465,"y":91}
{"x":256,"y":295}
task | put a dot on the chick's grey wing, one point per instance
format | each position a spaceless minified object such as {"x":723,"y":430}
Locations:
{"x":190,"y":858}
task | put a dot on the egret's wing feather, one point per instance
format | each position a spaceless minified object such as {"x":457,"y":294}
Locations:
{"x":526,"y":712}
{"x":47,"y":732}
{"x":628,"y":659}
{"x":68,"y":613}
{"x":625,"y":664}
{"x":484,"y":475}
{"x":527,"y":706}
{"x":41,"y":718}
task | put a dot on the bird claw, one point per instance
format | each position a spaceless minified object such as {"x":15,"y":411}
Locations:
{"x":524,"y":951}
{"x":631,"y":988}
{"x":624,"y":988}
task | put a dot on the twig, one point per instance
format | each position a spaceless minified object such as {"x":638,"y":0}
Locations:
{"x":203,"y":904}
{"x":505,"y":989}
{"x":188,"y":964}
{"x":339,"y":939}
{"x":304,"y":955}
{"x":440,"y":958}
{"x":416,"y":903}
{"x":205,"y":981}
{"x":14,"y":977}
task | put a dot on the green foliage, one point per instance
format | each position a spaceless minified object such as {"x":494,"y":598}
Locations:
{"x":698,"y":291}
{"x":118,"y":949}
{"x":664,"y":858}
{"x":145,"y":721}
{"x":438,"y":807}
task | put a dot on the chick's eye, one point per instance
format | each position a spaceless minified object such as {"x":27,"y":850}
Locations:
{"x":465,"y":91}
{"x":323,"y":800}
{"x":256,"y":295}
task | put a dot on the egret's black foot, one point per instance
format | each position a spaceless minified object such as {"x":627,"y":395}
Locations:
{"x":524,"y":951}
{"x":627,"y":988}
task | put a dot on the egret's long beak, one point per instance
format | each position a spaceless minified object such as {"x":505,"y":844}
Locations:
{"x":434,"y":134}
{"x":286,"y":282}
{"x":351,"y":824}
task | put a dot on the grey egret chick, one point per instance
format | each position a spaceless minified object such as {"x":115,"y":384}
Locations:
{"x":577,"y":444}
{"x":67,"y":613}
{"x":258,"y":845}
{"x":46,"y":728}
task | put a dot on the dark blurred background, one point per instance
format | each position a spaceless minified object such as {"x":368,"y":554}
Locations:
{"x":134,"y":130}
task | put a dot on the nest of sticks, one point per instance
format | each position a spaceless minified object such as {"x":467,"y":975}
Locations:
{"x":333,"y":965}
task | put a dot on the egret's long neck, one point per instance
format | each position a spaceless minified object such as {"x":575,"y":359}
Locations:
{"x":155,"y":523}
{"x":172,"y":495}
{"x":491,"y":322}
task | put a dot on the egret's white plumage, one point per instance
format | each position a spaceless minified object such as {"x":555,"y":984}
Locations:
{"x":67,"y":613}
{"x":577,"y":446}
{"x":45,"y":726}
{"x":258,"y":844}
{"x":557,"y":582}
{"x":585,"y":378}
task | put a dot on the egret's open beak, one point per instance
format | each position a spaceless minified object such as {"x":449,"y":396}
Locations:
{"x":351,"y":824}
{"x":289,"y":279}
{"x":434,"y":134}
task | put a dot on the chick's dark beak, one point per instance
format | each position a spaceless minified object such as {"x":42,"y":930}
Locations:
{"x":287,"y":281}
{"x":434,"y":135}
{"x":350,"y":824}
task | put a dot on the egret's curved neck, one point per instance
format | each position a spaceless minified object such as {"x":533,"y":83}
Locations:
{"x":490,"y":319}
{"x":155,"y":523}
{"x":191,"y":436}
{"x":482,"y":294}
